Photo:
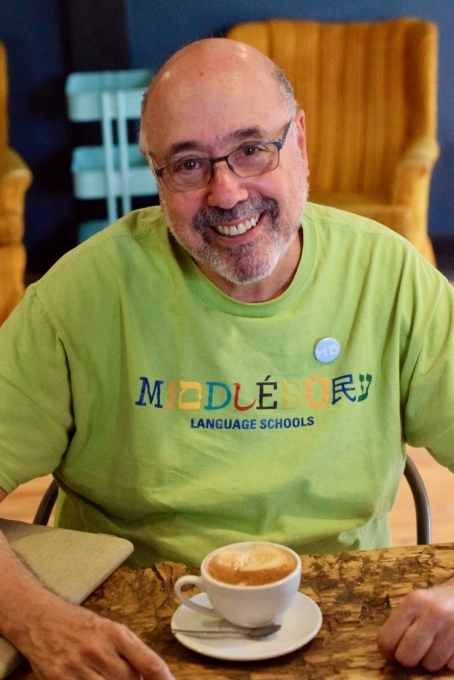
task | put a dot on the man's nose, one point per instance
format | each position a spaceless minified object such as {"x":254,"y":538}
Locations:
{"x":225,"y":188}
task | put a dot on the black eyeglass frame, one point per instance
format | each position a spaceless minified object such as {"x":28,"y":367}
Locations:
{"x":279,"y":143}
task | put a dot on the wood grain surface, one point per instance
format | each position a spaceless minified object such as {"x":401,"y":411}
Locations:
{"x":354,"y":590}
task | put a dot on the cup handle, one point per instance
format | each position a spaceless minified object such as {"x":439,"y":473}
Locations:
{"x":194,"y":581}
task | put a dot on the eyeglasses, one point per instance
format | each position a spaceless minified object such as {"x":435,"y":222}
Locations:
{"x":247,"y":161}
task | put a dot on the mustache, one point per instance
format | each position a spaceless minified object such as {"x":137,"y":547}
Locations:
{"x":207,"y":217}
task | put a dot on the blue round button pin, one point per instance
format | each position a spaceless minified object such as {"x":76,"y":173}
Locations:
{"x":326,"y":350}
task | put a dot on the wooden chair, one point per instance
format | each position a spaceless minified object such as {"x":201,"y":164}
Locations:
{"x":369,"y":93}
{"x":418,"y":490}
{"x":15,"y":178}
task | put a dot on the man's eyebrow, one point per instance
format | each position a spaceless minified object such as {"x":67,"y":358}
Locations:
{"x":240,"y":135}
{"x":246,"y":133}
{"x":180,"y":147}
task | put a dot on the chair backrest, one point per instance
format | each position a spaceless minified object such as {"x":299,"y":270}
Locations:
{"x":46,"y":505}
{"x":423,"y":523}
{"x":116,"y":169}
{"x":418,"y":490}
{"x":368,"y":89}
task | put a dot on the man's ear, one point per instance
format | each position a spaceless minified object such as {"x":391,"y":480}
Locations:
{"x":300,"y":122}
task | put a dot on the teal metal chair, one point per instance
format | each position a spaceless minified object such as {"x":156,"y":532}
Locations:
{"x":115,"y":171}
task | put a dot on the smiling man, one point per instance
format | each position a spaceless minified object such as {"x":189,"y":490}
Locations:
{"x":237,"y":364}
{"x":232,"y":197}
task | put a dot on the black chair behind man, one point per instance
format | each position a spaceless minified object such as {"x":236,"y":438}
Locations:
{"x":418,"y":490}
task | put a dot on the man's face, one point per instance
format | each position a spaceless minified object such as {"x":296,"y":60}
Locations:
{"x":239,"y":229}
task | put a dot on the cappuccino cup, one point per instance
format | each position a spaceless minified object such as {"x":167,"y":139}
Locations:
{"x":248,"y":584}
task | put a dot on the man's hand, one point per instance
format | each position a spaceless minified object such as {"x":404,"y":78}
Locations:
{"x":421,"y":629}
{"x":76,"y":643}
{"x":63,"y":641}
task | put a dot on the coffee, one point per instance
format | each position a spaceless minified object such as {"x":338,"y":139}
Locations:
{"x":251,"y":564}
{"x":273,"y":571}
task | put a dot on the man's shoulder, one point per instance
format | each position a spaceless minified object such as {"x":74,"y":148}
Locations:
{"x":344,"y":231}
{"x":369,"y":250}
{"x":327,"y":216}
{"x":139,"y":229}
{"x":136,"y":226}
{"x":135,"y":247}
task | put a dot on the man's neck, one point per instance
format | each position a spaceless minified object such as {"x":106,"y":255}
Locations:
{"x":269,"y":288}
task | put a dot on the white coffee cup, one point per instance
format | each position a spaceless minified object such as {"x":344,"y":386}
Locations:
{"x":248,"y":602}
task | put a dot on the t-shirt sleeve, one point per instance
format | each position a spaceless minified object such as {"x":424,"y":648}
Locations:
{"x":429,"y":406}
{"x":35,"y":399}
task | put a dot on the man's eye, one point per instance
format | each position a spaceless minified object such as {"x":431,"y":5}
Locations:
{"x":187,"y":166}
{"x":251,"y":150}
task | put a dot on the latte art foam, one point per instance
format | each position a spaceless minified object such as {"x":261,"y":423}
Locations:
{"x":252,"y":565}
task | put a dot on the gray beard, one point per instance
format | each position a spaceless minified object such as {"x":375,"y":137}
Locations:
{"x":245,"y":263}
{"x":241,"y":264}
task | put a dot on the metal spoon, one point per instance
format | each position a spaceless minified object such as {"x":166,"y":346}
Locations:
{"x":253,"y":633}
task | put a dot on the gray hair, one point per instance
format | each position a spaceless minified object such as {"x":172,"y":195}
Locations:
{"x":143,"y":144}
{"x":285,"y":88}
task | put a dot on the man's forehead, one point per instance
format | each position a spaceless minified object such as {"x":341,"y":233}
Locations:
{"x":213,"y":54}
{"x":214,"y":118}
{"x":218,"y":68}
{"x":194,"y":95}
{"x":193,"y":100}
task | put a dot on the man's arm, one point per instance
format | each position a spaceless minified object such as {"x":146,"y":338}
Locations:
{"x":421,"y":629}
{"x":62,"y":640}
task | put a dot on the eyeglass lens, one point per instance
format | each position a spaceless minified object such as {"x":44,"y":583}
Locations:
{"x":248,"y":161}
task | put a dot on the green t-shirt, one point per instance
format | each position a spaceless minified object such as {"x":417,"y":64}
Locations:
{"x":182,"y":419}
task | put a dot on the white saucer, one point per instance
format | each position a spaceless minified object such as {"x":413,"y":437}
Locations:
{"x":300,"y":623}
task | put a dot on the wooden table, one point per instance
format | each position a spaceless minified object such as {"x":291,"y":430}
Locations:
{"x":355,"y":591}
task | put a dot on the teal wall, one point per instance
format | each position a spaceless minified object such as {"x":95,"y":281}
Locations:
{"x":35,"y":35}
